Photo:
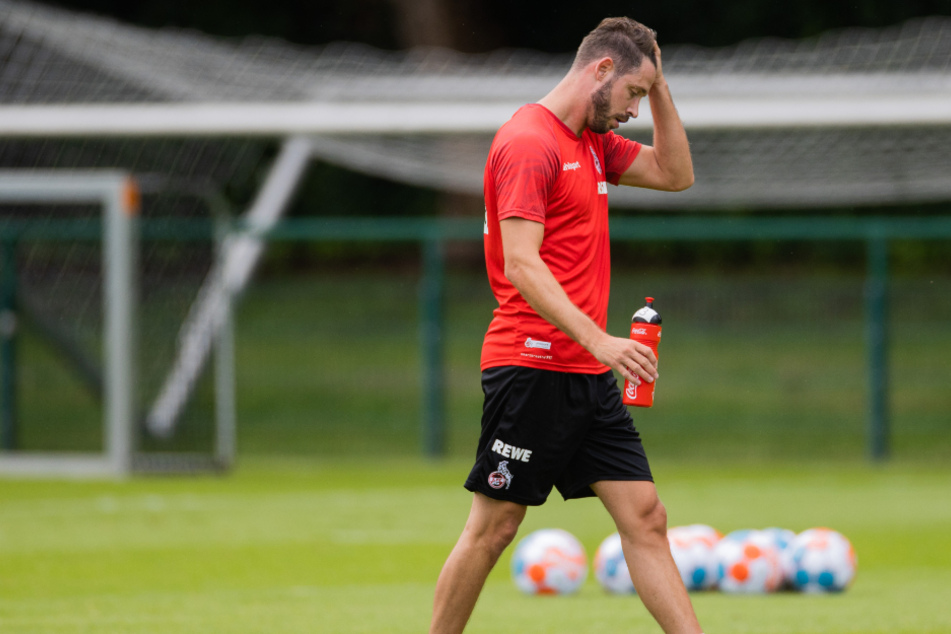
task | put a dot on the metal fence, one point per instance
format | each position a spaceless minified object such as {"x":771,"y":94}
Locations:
{"x":876,"y":233}
{"x":433,"y":235}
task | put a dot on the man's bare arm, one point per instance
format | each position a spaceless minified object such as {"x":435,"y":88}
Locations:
{"x":667,"y":165}
{"x":525,"y":269}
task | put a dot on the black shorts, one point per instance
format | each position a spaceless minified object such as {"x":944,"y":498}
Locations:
{"x":542,"y":428}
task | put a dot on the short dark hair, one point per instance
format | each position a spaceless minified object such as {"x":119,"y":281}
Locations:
{"x":624,"y":40}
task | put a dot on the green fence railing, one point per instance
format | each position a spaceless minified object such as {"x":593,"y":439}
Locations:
{"x":432,"y":233}
{"x":875,"y":232}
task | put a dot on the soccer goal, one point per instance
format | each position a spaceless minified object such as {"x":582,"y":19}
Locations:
{"x":71,"y":289}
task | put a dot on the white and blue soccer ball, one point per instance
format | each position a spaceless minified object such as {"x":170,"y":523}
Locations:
{"x":821,"y":560}
{"x":692,"y":549}
{"x":549,"y":561}
{"x":782,"y":538}
{"x":610,"y":568}
{"x":748,"y":563}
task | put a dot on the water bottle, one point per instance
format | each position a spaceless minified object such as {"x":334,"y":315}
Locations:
{"x":645,"y":328}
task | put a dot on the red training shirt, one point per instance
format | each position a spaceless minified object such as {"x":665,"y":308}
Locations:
{"x":540,"y":170}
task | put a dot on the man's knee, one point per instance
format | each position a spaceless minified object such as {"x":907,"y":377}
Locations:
{"x":495,"y":525}
{"x":505,"y":532}
{"x":648,"y":520}
{"x":655,"y":518}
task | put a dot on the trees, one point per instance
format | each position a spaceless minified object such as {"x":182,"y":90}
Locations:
{"x":485,"y":25}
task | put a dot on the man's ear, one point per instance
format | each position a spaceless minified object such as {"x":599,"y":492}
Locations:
{"x":603,"y":69}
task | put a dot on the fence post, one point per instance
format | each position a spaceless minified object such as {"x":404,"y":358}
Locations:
{"x":431,"y":341}
{"x":876,"y":324}
{"x":8,"y":348}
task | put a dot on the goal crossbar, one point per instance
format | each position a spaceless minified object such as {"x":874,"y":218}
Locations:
{"x":739,"y":111}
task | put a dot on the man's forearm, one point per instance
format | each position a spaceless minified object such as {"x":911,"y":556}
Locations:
{"x":532,"y":278}
{"x":535,"y":282}
{"x":671,"y":148}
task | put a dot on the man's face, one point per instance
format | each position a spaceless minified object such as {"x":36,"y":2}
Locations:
{"x":618,"y":98}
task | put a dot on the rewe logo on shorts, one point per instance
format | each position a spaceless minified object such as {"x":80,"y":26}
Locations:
{"x":515,"y":453}
{"x":543,"y":345}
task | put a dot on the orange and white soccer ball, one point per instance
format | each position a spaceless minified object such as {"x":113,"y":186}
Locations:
{"x":748,"y":562}
{"x":692,"y":548}
{"x":821,"y":560}
{"x":549,"y":561}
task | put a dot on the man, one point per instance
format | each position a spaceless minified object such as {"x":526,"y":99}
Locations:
{"x":553,"y":414}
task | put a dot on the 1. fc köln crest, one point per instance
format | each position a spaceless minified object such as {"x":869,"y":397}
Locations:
{"x":501,"y":477}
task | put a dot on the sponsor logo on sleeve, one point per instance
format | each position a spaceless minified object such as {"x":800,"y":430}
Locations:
{"x":597,"y":163}
{"x":602,"y":187}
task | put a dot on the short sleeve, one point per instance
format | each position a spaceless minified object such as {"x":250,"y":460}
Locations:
{"x":524,"y":167}
{"x":619,"y":153}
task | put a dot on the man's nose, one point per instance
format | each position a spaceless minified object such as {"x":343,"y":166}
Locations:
{"x":632,"y":109}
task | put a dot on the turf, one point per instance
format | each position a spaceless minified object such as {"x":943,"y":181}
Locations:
{"x":347,"y":546}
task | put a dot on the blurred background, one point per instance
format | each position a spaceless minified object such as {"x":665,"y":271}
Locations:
{"x":805,"y":281}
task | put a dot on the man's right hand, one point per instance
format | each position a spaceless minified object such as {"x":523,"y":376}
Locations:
{"x":631,"y":359}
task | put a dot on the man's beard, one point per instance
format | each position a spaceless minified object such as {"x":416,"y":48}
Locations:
{"x":601,"y":103}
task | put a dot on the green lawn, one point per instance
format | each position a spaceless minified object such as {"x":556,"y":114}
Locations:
{"x":325,"y":546}
{"x":332,"y":524}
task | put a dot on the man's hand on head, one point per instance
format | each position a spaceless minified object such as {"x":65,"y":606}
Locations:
{"x":659,"y":79}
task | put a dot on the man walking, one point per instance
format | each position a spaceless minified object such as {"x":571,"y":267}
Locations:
{"x":553,"y":415}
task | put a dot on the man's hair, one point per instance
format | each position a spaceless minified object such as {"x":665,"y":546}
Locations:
{"x":624,"y":40}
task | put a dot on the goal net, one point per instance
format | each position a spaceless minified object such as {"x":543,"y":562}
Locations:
{"x":222,"y":129}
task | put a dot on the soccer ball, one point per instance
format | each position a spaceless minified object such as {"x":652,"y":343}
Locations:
{"x":747,"y":562}
{"x":549,"y":561}
{"x":821,"y":560}
{"x":692,"y":548}
{"x":782,"y":538}
{"x":610,"y":568}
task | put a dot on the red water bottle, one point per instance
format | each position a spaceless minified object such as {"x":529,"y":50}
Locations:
{"x":645,"y":328}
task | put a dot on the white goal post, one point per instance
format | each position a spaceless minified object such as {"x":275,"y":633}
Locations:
{"x":210,"y":314}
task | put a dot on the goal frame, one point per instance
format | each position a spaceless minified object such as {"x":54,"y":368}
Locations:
{"x":117,"y":194}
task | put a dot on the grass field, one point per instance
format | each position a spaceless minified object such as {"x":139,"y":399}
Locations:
{"x":355,"y":547}
{"x":759,"y":422}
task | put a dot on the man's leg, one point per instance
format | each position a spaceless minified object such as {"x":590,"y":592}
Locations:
{"x":491,"y":526}
{"x":641,"y":520}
